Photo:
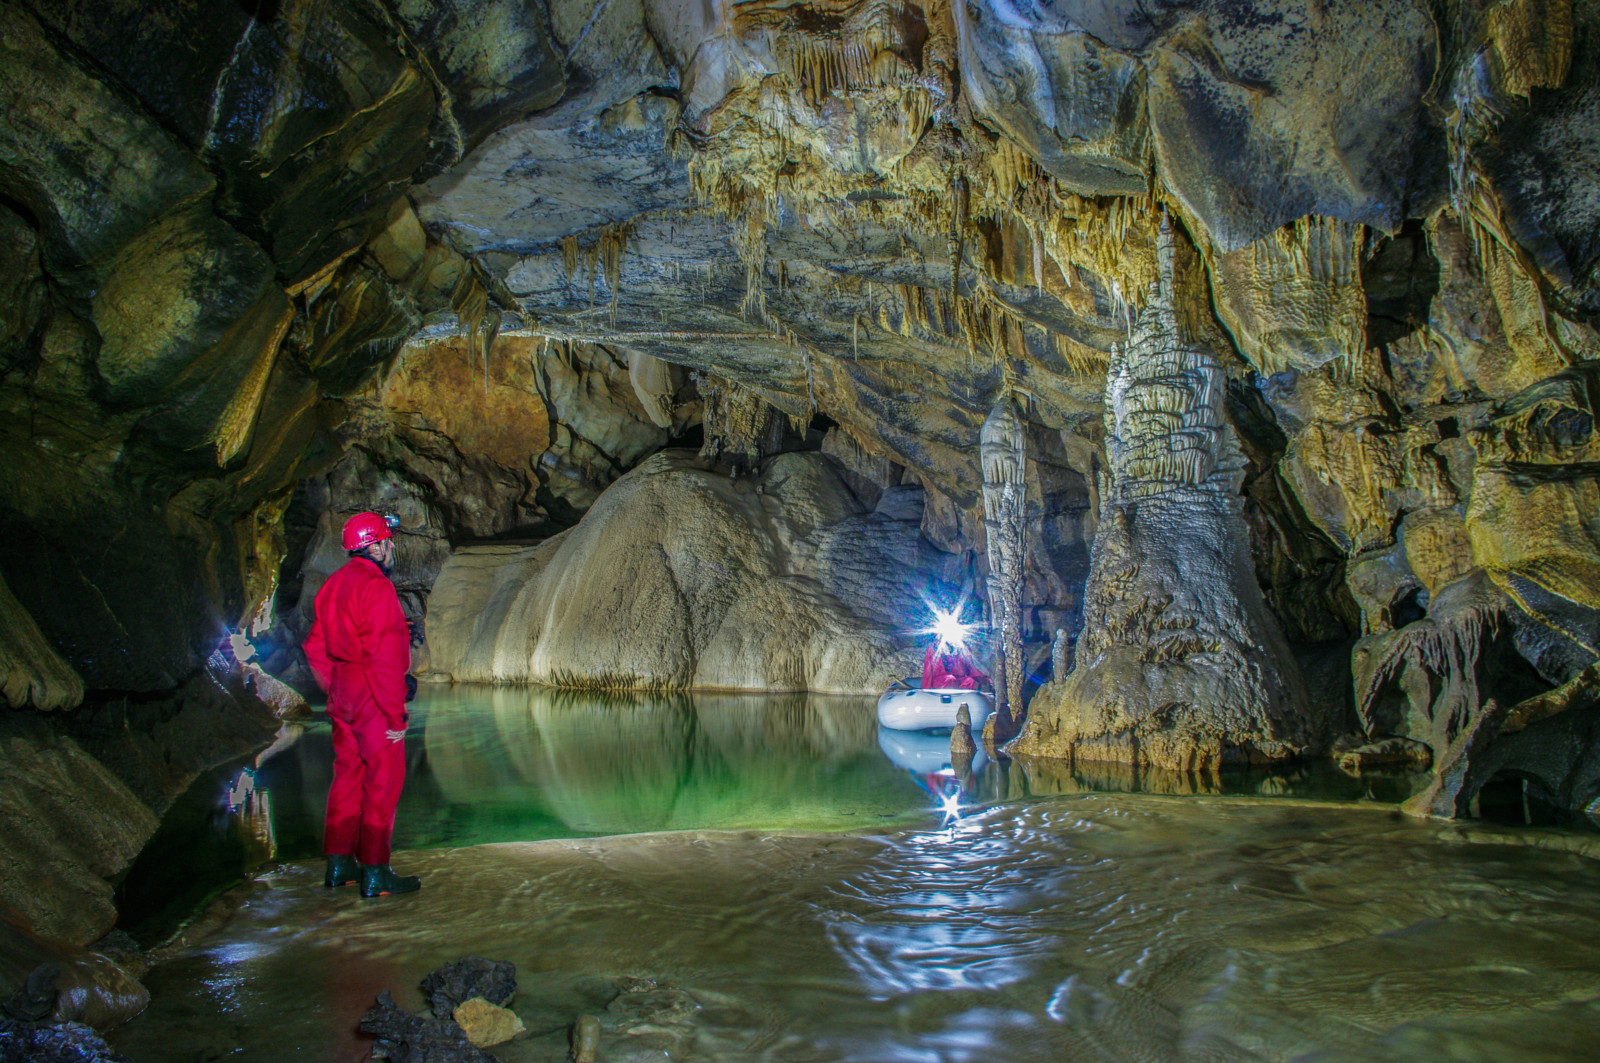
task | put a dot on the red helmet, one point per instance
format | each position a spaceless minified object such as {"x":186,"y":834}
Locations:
{"x":364,"y":529}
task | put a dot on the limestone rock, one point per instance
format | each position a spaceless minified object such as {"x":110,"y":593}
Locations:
{"x":679,"y":577}
{"x":476,"y":590}
{"x":24,"y":298}
{"x":492,"y":411}
{"x":1294,"y":297}
{"x":1541,"y":161}
{"x":316,"y":121}
{"x":71,"y":1042}
{"x":61,"y":983}
{"x":81,"y":792}
{"x":1538,"y":537}
{"x":496,"y":59}
{"x":182,"y":52}
{"x":92,"y":170}
{"x":1069,"y":90}
{"x":71,"y":825}
{"x":1389,"y":754}
{"x":596,"y":171}
{"x":407,"y":1038}
{"x":586,"y":1039}
{"x":252,"y":262}
{"x":492,"y":982}
{"x":486,"y":1024}
{"x":1336,"y":77}
{"x":31,"y":672}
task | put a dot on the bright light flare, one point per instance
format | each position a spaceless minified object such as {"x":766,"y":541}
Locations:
{"x":950,"y":805}
{"x":950,"y":630}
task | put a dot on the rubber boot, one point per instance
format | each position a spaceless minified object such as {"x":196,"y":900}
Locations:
{"x":379,"y":880}
{"x":342,"y":871}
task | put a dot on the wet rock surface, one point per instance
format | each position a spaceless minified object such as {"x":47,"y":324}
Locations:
{"x":454,"y":984}
{"x":407,"y":1038}
{"x":81,"y":795}
{"x":72,"y":1042}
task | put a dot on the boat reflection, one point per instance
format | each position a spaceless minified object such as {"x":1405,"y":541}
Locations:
{"x":925,"y":755}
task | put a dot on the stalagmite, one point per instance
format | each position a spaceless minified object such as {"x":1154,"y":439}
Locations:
{"x":1002,"y":453}
{"x":586,"y":1039}
{"x":1179,"y":665}
{"x":962,"y":747}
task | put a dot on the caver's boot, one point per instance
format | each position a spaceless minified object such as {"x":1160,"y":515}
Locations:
{"x":379,"y":880}
{"x":342,"y":871}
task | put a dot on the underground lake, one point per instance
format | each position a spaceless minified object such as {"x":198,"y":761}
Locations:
{"x":732,"y":877}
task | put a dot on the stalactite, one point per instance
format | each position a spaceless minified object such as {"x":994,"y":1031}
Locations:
{"x":959,"y":205}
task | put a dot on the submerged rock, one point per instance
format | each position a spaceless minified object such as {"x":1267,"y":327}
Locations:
{"x":585,"y":1039}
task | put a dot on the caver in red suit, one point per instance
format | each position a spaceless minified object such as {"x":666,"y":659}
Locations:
{"x":951,"y":670}
{"x":360,"y":650}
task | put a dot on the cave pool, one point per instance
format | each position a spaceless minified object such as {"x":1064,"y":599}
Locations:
{"x":732,"y":877}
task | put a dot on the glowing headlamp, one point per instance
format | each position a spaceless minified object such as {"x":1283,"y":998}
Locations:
{"x":950,"y":630}
{"x":391,"y":521}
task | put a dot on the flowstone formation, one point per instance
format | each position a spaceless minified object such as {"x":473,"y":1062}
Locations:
{"x":681,"y":576}
{"x":1180,"y":665}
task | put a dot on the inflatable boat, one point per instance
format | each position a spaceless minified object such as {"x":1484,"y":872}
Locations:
{"x":907,"y":708}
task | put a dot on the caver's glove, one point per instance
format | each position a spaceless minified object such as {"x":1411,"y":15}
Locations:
{"x":411,"y":687}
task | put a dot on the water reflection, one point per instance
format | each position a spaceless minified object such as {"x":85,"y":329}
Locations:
{"x":494,"y":764}
{"x":1319,"y":779}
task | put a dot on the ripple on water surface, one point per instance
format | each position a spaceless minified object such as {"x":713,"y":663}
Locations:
{"x":1089,"y":927}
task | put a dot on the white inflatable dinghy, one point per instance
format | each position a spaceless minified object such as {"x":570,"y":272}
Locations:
{"x":916,"y":709}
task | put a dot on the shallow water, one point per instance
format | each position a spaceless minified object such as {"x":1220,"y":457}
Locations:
{"x":1083,"y":927}
{"x":488,"y":764}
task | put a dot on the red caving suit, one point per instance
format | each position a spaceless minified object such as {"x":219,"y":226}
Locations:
{"x":950,"y":671}
{"x":360,"y":650}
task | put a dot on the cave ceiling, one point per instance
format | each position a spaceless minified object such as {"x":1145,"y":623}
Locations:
{"x":234,"y":234}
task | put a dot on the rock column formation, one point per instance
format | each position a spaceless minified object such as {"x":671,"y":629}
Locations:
{"x":1180,"y":665}
{"x":1003,"y":455}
